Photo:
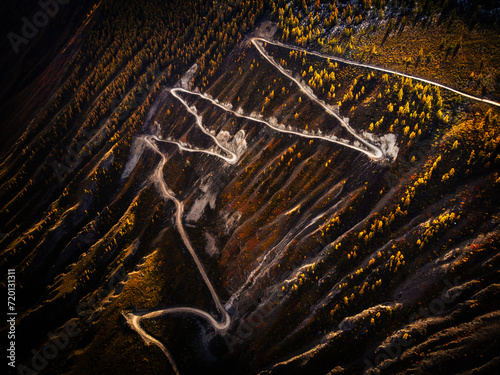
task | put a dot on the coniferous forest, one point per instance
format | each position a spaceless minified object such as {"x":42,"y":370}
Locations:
{"x":250,"y":187}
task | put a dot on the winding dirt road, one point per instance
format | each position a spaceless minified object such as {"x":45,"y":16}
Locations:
{"x":372,"y":151}
{"x":376,"y":152}
{"x":133,"y":319}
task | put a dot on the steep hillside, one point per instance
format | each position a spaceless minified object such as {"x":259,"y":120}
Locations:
{"x":237,"y":188}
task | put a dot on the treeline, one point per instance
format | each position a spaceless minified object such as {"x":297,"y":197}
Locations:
{"x":307,"y":21}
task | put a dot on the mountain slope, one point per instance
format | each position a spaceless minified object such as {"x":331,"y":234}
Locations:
{"x":245,"y":205}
